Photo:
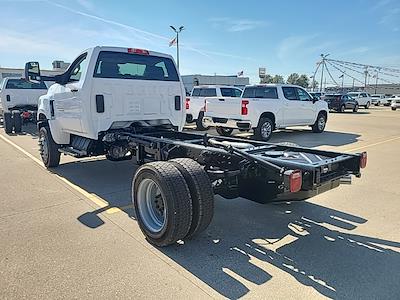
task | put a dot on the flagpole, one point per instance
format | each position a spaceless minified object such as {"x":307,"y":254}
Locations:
{"x":177,"y":31}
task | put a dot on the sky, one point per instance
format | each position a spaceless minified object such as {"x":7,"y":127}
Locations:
{"x":220,"y":37}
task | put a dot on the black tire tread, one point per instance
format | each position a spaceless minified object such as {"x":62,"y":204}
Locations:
{"x":257,"y":131}
{"x":199,"y":122}
{"x":17,"y":120}
{"x":315,"y":125}
{"x":201,"y":193}
{"x":54,"y":155}
{"x":8,"y":122}
{"x":177,"y":195}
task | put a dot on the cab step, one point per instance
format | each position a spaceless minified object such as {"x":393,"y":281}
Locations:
{"x":73,"y":152}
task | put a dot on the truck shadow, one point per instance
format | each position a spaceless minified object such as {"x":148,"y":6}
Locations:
{"x":248,"y":244}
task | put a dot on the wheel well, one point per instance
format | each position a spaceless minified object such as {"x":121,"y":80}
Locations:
{"x":270,"y":116}
{"x":42,"y":120}
{"x":324,"y":113}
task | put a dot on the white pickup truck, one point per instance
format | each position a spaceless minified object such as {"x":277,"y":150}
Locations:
{"x":363,"y":99}
{"x":265,"y":108}
{"x":129,"y":104}
{"x":195,"y":103}
{"x":18,"y":102}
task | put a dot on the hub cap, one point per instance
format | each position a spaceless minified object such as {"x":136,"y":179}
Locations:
{"x":151,"y":206}
{"x":321,"y":123}
{"x":266,"y":130}
{"x":43,"y":147}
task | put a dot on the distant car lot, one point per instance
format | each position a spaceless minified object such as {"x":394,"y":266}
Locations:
{"x":75,"y":235}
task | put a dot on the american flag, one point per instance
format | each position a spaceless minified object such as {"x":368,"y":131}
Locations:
{"x":172,"y":42}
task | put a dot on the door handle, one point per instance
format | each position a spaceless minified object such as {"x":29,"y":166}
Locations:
{"x":221,"y":99}
{"x":74,"y":90}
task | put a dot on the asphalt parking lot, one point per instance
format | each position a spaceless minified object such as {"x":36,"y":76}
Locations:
{"x":71,"y":232}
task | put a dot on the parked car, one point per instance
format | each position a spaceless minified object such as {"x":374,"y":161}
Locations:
{"x":378,"y":99}
{"x":395,"y":103}
{"x":391,"y":98}
{"x":340,"y":102}
{"x":195,"y":104}
{"x":363,"y":99}
{"x":18,"y":102}
{"x":265,"y":108}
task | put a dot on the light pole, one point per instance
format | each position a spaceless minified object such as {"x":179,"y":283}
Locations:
{"x":177,"y":31}
{"x":323,"y":58}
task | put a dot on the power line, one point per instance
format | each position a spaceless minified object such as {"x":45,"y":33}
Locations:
{"x":326,"y":67}
{"x":355,"y":79}
{"x":393,"y":70}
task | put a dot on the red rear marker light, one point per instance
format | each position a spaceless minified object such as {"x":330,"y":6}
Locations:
{"x":363,"y":160}
{"x":245,"y":110}
{"x":295,"y":181}
{"x":187,"y":103}
{"x":138,"y":51}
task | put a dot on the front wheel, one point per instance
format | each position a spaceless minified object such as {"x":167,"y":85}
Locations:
{"x":355,"y":109}
{"x":48,"y":148}
{"x":319,"y":124}
{"x":393,"y":108}
{"x":224,"y":131}
{"x":264,"y":129}
{"x":342,"y":108}
{"x":367,"y":105}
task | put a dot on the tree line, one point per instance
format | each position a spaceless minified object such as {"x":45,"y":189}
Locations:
{"x":294,"y":78}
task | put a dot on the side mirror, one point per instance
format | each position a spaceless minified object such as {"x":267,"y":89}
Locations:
{"x":315,"y":99}
{"x":32,"y":72}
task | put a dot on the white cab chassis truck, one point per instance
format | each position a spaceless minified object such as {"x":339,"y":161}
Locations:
{"x":19,"y":102}
{"x":264,"y":108}
{"x":128,"y":103}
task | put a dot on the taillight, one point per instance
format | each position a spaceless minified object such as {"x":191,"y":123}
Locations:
{"x":187,"y":103}
{"x":26,"y":115}
{"x":245,"y":110}
{"x":295,"y":181}
{"x":138,"y":51}
{"x":363,"y":160}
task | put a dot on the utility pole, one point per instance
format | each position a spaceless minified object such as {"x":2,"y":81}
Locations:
{"x":177,"y":31}
{"x":376,"y":81}
{"x":323,"y":57}
{"x":365,"y":79}
{"x":342,"y":82}
{"x":353,"y":86}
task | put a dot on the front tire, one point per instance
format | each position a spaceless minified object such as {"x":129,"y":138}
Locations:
{"x":264,"y":129}
{"x":17,"y":120}
{"x":8,"y":122}
{"x":320,"y":123}
{"x":48,"y":148}
{"x":342,"y":108}
{"x":162,"y":203}
{"x":224,"y":131}
{"x":201,"y":192}
{"x":367,"y":105}
{"x":355,"y":109}
{"x":393,"y":108}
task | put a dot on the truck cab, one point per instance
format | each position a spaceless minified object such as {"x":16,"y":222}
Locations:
{"x":110,"y":88}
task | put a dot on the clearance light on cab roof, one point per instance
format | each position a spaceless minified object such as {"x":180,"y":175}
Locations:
{"x":138,"y":51}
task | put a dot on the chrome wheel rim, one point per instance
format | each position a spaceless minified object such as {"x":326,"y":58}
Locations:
{"x":44,"y":148}
{"x":321,"y":123}
{"x":266,"y":130}
{"x":151,"y":206}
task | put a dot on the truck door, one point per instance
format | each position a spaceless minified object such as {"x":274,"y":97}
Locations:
{"x":292,"y":108}
{"x":308,"y":107}
{"x":68,"y":106}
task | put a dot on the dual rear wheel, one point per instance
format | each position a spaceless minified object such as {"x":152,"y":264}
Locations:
{"x":173,"y":200}
{"x":12,"y":122}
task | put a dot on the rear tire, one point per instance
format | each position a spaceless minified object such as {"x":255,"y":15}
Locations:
{"x":199,"y":122}
{"x":355,"y":109}
{"x":264,"y":129}
{"x":48,"y":148}
{"x":8,"y":122}
{"x":367,"y":105}
{"x":393,"y":108}
{"x":201,"y":192}
{"x":17,"y":120}
{"x":162,"y":203}
{"x":319,"y":124}
{"x":224,"y":131}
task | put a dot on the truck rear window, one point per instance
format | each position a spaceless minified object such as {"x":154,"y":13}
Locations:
{"x":264,"y":92}
{"x":21,"y":84}
{"x":134,"y":66}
